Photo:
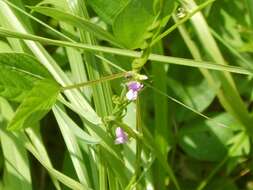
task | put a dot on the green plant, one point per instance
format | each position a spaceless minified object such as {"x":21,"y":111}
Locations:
{"x":133,"y":94}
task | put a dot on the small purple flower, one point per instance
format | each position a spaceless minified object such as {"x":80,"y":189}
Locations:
{"x":133,"y":88}
{"x":121,"y":136}
{"x":134,"y":85}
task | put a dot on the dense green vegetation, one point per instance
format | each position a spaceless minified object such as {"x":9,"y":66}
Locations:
{"x":126,"y":94}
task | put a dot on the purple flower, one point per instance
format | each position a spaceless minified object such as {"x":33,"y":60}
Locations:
{"x":121,"y":136}
{"x":133,"y":88}
{"x":134,"y":85}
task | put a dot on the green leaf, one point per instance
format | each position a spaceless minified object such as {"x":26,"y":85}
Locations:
{"x":18,"y":73}
{"x":167,"y":8}
{"x":35,"y":105}
{"x":108,"y":13}
{"x":222,"y":183}
{"x":78,"y":22}
{"x":191,"y":90}
{"x":206,"y":140}
{"x":131,"y":25}
{"x":243,"y":149}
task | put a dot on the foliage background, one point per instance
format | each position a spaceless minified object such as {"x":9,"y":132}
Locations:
{"x":191,"y":126}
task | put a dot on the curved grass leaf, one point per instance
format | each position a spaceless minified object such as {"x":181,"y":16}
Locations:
{"x":36,"y":105}
{"x":76,"y":156}
{"x":16,"y":169}
{"x":18,"y":73}
{"x":77,"y":22}
{"x":69,"y":182}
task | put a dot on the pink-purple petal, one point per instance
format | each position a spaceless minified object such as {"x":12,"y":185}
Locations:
{"x":121,"y":136}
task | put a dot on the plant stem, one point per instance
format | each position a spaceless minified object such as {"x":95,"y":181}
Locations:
{"x":93,"y":82}
{"x":186,"y":18}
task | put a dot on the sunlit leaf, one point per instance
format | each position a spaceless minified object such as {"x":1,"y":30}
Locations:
{"x":35,"y":105}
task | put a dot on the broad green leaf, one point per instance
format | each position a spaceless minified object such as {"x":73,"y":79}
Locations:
{"x":18,"y":73}
{"x":191,"y":90}
{"x":35,"y":105}
{"x":243,"y":149}
{"x":167,"y":8}
{"x":131,"y":25}
{"x":222,"y":183}
{"x":206,"y":140}
{"x":106,"y":12}
{"x":78,"y":22}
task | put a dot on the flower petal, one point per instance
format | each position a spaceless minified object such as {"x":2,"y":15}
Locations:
{"x":121,"y":136}
{"x":119,"y":132}
{"x":120,"y":140}
{"x":131,"y":95}
{"x":134,"y":85}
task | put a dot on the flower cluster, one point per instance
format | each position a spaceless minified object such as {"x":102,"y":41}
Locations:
{"x":134,"y":86}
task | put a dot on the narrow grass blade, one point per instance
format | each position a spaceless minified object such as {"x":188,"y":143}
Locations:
{"x":78,"y":22}
{"x":17,"y":171}
{"x":35,"y":138}
{"x":163,"y":126}
{"x":72,"y":145}
{"x":58,"y":175}
{"x":228,"y":94}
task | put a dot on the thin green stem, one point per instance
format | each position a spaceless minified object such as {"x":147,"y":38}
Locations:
{"x":93,"y":82}
{"x":231,"y":49}
{"x":138,"y":142}
{"x":129,"y":53}
{"x":183,"y":20}
{"x":184,"y":105}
